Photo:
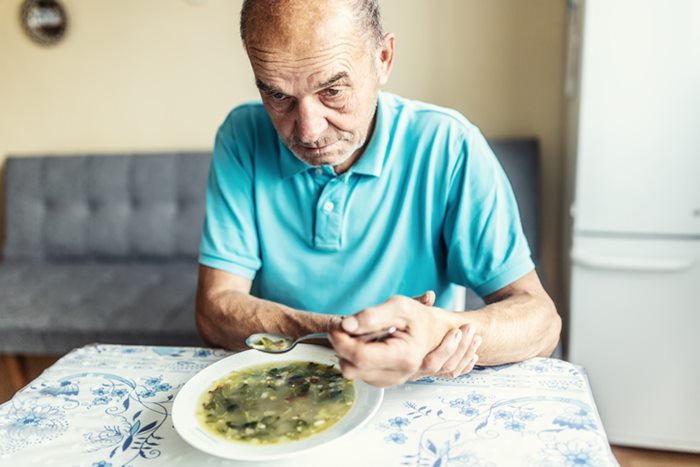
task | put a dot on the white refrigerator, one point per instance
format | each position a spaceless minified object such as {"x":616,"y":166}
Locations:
{"x":634,"y":266}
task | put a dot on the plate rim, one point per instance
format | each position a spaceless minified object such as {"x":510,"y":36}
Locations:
{"x":180,"y":415}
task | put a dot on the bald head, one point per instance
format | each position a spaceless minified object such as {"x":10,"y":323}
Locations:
{"x":318,"y":65}
{"x":283,"y":17}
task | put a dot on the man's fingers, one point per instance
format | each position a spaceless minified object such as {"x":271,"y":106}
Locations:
{"x":376,"y":318}
{"x":462,"y":354}
{"x":375,"y":377}
{"x":470,"y":366}
{"x":391,"y":361}
{"x":435,"y":360}
{"x":470,"y":358}
{"x":392,"y":354}
{"x":349,"y":370}
{"x":427,"y":298}
{"x":421,"y":298}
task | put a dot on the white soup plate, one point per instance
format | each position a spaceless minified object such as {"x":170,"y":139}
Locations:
{"x":366,"y":404}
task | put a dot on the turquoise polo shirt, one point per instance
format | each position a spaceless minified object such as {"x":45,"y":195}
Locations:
{"x":427,"y":206}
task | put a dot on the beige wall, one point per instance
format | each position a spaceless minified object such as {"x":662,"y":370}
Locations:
{"x":140,"y":75}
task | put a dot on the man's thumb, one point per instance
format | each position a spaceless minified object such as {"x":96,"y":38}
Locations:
{"x":350,"y":324}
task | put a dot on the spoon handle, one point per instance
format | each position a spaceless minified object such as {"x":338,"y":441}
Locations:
{"x":315,"y":335}
{"x":369,"y":337}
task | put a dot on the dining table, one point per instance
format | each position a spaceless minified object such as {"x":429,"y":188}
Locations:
{"x":111,"y":405}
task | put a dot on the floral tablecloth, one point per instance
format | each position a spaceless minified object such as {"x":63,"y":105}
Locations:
{"x":107,"y":405}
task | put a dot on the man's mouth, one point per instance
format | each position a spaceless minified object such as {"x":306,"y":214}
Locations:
{"x":316,"y":149}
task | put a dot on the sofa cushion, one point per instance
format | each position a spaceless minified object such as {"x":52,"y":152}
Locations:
{"x":105,"y":207}
{"x":51,"y":308}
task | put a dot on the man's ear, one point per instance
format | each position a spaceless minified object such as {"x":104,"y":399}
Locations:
{"x":386,"y":58}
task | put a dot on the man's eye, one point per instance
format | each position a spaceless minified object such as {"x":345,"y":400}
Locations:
{"x":278,"y":96}
{"x":332,"y":92}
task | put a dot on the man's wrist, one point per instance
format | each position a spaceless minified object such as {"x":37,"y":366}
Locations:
{"x":443,"y":322}
{"x":450,"y":320}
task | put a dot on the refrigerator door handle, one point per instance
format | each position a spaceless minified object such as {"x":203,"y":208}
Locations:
{"x":620,"y":263}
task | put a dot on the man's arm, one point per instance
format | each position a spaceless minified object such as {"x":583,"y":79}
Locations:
{"x":226,"y":313}
{"x":520,"y":322}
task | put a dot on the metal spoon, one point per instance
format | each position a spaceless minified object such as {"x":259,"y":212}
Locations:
{"x":278,"y":343}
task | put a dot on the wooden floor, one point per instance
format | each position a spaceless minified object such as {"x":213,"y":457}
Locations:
{"x":33,"y":366}
{"x":627,"y":457}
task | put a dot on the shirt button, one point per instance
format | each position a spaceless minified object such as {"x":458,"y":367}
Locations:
{"x":328,"y":207}
{"x":319,"y":171}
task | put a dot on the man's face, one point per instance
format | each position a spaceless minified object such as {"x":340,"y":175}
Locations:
{"x":318,"y":77}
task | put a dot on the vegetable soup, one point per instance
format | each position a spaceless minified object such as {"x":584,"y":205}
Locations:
{"x":276,"y":402}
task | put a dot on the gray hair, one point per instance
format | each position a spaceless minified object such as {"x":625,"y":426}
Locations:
{"x":366,"y":13}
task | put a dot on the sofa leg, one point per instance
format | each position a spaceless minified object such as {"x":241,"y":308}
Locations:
{"x":15,"y":370}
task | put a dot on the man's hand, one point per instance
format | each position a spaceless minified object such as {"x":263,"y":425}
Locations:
{"x":422,"y":328}
{"x":456,"y":355}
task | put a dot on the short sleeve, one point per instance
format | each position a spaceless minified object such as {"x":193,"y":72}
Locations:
{"x":229,"y":236}
{"x":486,"y":246}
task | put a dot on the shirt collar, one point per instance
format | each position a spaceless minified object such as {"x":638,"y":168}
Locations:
{"x":372,"y":160}
{"x":370,"y":163}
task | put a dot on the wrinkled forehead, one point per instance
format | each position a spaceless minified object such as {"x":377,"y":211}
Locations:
{"x":298,"y":30}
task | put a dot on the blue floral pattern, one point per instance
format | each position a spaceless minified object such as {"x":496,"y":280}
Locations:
{"x":114,"y":402}
{"x":574,"y":453}
{"x":134,"y":411}
{"x":450,"y":428}
{"x":26,"y":424}
{"x":557,"y":425}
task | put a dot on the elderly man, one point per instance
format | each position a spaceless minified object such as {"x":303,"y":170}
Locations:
{"x":331,"y":203}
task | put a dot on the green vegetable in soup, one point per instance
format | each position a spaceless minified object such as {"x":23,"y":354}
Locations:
{"x":274,"y":403}
{"x":266,"y":343}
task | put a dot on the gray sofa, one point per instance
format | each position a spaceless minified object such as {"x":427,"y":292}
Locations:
{"x":100,"y":248}
{"x":103,"y":248}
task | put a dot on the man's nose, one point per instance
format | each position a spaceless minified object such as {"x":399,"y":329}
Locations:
{"x":311,"y":121}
